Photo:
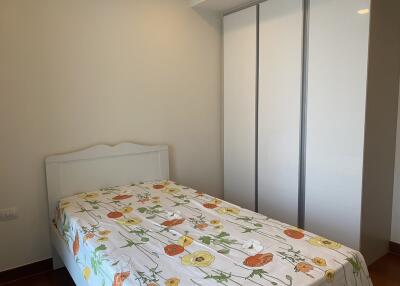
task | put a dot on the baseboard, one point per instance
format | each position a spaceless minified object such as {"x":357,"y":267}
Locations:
{"x":394,"y":247}
{"x":26,"y":271}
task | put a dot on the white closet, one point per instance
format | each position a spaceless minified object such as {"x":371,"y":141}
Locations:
{"x":280,"y":69}
{"x":310,"y":104}
{"x":336,"y":97}
{"x":240,"y":62}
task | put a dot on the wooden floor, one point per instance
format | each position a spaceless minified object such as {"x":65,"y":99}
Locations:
{"x":385,"y":272}
{"x":53,"y":278}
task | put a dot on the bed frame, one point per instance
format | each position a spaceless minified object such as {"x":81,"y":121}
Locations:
{"x":97,"y":167}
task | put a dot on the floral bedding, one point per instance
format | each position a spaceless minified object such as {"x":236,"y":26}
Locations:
{"x":162,"y":233}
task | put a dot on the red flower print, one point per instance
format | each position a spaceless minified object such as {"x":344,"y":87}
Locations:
{"x":293,"y":233}
{"x":169,"y":223}
{"x":121,"y":197}
{"x":114,"y":214}
{"x":258,"y":260}
{"x":209,"y":206}
{"x":75,"y":245}
{"x":119,"y":278}
{"x":158,"y":186}
{"x":173,"y":249}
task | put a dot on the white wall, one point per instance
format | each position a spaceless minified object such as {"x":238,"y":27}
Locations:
{"x":396,"y":188}
{"x":79,"y":72}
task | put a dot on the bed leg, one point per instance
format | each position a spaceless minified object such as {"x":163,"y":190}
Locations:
{"x":57,"y":261}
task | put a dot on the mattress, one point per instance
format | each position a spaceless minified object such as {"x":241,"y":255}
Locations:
{"x":163,"y":233}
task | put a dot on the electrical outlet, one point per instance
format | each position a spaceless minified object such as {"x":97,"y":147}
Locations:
{"x":8,"y":214}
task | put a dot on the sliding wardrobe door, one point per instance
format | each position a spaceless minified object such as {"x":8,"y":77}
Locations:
{"x":337,"y":77}
{"x":240,"y":57}
{"x":280,"y":74}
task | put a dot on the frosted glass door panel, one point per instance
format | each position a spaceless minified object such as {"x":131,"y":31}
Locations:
{"x":240,"y":107}
{"x":279,"y":108}
{"x":338,"y":55}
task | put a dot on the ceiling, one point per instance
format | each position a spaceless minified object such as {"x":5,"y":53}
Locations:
{"x":220,"y":5}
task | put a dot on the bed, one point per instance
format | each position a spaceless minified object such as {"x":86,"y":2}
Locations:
{"x":116,"y":219}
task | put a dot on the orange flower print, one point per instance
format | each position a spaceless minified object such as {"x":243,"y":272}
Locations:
{"x":119,"y":278}
{"x":294,"y":233}
{"x":258,"y":260}
{"x":121,"y":197}
{"x":319,"y":261}
{"x":169,"y":223}
{"x":173,"y":249}
{"x":303,"y":267}
{"x":89,"y":235}
{"x":201,"y":226}
{"x":114,"y":214}
{"x":172,"y":282}
{"x":185,"y":241}
{"x":209,"y":206}
{"x":75,"y":245}
{"x":158,"y":186}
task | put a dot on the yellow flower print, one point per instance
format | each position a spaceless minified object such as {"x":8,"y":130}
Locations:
{"x":323,"y":242}
{"x":229,"y":211}
{"x":126,"y":210}
{"x":215,"y":201}
{"x":171,"y":191}
{"x":215,"y":222}
{"x":86,"y":273}
{"x":329,"y":275}
{"x":64,"y":205}
{"x":185,"y":241}
{"x":104,"y":232}
{"x":103,"y":239}
{"x":130,"y":221}
{"x":89,"y":196}
{"x":198,"y":259}
{"x":172,"y":282}
{"x":319,"y":261}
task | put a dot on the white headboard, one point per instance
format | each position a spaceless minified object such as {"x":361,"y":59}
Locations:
{"x":103,"y":166}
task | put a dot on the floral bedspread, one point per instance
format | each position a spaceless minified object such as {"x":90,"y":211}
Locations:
{"x":162,"y":233}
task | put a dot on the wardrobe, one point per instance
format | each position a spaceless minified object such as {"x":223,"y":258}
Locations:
{"x":310,"y":108}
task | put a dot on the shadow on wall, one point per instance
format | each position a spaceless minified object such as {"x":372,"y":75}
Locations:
{"x":210,"y":17}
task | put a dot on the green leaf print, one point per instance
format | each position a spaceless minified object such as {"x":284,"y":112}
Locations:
{"x":220,"y":278}
{"x":258,"y":272}
{"x":355,"y":263}
{"x":205,"y":239}
{"x":224,"y":251}
{"x":100,"y":248}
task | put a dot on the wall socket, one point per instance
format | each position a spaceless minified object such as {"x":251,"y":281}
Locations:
{"x":8,"y":214}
